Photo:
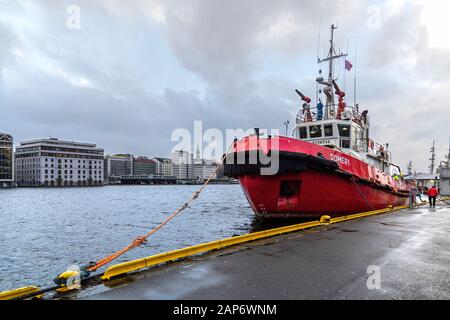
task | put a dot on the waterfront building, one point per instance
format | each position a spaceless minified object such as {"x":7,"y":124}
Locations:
{"x":205,"y":169}
{"x":143,"y":166}
{"x":163,"y":166}
{"x":118,"y":165}
{"x":424,"y":179}
{"x":53,"y":162}
{"x":445,"y":181}
{"x":6,"y":161}
{"x":182,"y":165}
{"x":202,"y":169}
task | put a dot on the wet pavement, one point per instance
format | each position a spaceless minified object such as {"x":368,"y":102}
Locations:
{"x":401,"y":255}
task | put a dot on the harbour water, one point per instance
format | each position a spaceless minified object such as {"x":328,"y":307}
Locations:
{"x":43,"y":231}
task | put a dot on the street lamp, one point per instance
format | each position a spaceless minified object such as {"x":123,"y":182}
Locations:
{"x":287,"y":127}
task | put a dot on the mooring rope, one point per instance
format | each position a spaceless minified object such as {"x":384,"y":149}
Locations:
{"x":362,"y":194}
{"x":142,"y":239}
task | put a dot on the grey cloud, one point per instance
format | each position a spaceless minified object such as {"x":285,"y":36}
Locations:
{"x":224,"y":40}
{"x":402,"y":45}
{"x":226,"y":43}
{"x":405,"y":85}
{"x":9,"y":41}
{"x":400,"y":37}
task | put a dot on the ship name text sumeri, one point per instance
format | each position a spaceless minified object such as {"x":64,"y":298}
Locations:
{"x":340,"y":159}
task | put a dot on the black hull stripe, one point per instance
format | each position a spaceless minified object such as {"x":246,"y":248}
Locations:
{"x":292,"y":162}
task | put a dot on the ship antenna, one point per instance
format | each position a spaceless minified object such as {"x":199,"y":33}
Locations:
{"x":345,"y":73}
{"x":318,"y":55}
{"x":331,"y":54}
{"x":318,"y":41}
{"x":356,"y":56}
{"x":331,"y":57}
{"x":433,"y":158}
{"x":448,"y":156}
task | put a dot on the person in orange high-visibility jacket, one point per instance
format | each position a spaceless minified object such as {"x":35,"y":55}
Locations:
{"x":432,"y":195}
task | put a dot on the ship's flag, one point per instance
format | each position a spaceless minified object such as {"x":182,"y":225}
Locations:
{"x":348,"y":65}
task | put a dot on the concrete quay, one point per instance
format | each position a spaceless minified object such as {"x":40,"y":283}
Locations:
{"x":400,"y":255}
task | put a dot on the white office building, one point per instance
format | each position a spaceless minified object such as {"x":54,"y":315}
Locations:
{"x":53,"y":162}
{"x":163,"y":166}
{"x":182,"y":165}
{"x":204,"y":170}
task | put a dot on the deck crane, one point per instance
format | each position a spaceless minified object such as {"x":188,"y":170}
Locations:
{"x":341,"y":103}
{"x":306,"y":108}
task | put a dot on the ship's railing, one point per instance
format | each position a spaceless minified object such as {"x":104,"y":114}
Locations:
{"x":370,"y":146}
{"x":330,"y":112}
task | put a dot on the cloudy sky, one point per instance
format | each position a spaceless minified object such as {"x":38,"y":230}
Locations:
{"x":130,"y":72}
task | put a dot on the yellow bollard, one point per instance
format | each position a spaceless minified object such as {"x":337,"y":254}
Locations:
{"x":325,"y":219}
{"x":68,"y":280}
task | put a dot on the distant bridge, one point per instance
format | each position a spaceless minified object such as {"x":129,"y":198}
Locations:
{"x":144,"y":179}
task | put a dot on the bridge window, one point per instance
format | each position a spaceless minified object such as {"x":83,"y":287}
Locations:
{"x":345,"y":143}
{"x":344,"y":131}
{"x":315,"y":131}
{"x":328,"y":129}
{"x":303,"y":133}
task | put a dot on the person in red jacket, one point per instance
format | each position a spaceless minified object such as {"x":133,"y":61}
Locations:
{"x":432,"y":194}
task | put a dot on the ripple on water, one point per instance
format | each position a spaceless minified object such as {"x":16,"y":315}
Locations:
{"x":60,"y":227}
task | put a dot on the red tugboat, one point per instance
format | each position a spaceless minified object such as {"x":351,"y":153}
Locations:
{"x":331,"y":166}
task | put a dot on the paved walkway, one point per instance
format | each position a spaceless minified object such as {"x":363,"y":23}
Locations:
{"x":410,"y":249}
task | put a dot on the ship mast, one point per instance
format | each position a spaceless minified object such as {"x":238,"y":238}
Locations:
{"x":433,"y":158}
{"x":448,"y":155}
{"x":332,"y":55}
{"x":409,"y":168}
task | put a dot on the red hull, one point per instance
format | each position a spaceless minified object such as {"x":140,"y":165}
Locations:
{"x":311,"y":192}
{"x":320,"y":193}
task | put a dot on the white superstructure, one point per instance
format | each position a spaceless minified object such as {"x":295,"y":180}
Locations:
{"x":338,"y":126}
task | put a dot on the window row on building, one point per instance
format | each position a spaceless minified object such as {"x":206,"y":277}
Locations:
{"x":6,"y":160}
{"x":64,"y":163}
{"x":53,"y":162}
{"x":127,"y":165}
{"x":181,"y":165}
